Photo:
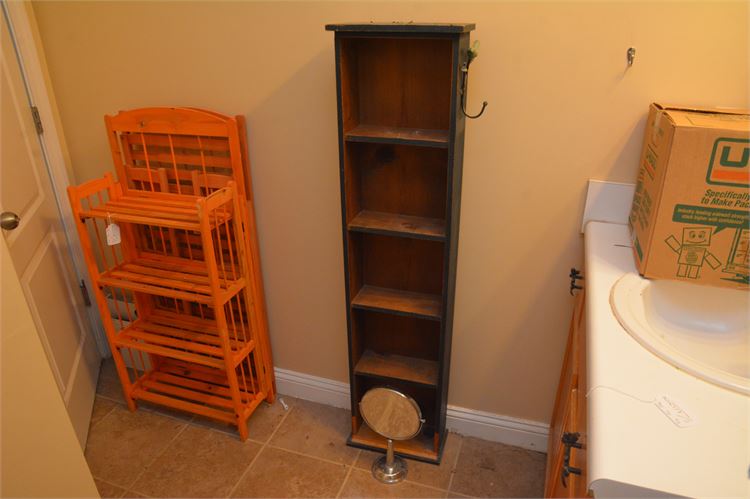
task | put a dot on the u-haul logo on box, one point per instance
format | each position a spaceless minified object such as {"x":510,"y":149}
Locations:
{"x":730,"y":163}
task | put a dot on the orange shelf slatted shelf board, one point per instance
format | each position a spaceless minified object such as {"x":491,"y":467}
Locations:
{"x":175,"y":289}
{"x":193,"y":152}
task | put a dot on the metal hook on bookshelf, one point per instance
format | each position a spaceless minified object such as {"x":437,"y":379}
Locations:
{"x":473,"y":53}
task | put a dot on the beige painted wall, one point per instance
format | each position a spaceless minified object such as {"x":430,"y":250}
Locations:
{"x":563,"y":108}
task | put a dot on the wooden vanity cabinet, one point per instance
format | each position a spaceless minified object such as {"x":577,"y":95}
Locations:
{"x":567,"y":436}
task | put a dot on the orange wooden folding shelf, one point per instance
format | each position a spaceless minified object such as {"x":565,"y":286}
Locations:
{"x":181,"y":297}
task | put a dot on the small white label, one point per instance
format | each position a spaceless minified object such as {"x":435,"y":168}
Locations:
{"x":113,"y":234}
{"x":675,"y":412}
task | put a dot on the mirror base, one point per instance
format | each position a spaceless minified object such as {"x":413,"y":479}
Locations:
{"x":385,"y":473}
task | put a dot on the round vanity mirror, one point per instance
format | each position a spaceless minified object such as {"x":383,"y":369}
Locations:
{"x":395,"y":416}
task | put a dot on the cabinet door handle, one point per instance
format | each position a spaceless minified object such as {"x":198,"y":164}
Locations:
{"x":567,"y":471}
{"x":574,"y":275}
{"x":570,"y":441}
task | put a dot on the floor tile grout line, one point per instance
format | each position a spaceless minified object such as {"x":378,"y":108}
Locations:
{"x":110,"y":482}
{"x":187,"y":423}
{"x":348,"y":474}
{"x":96,"y":478}
{"x":444,"y":492}
{"x":330,"y":461}
{"x":158,"y":455}
{"x":129,"y":488}
{"x":455,"y":465}
{"x":231,"y":431}
{"x":406,"y":480}
{"x":175,"y":418}
{"x":230,"y":434}
{"x":432,"y":487}
{"x":110,"y":411}
{"x":260,"y":451}
{"x":111,"y":399}
{"x":145,"y":409}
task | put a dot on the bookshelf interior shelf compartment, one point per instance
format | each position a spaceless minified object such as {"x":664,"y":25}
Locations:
{"x":399,"y":225}
{"x":397,"y":366}
{"x":398,"y":302}
{"x":395,"y":135}
{"x":401,"y":152}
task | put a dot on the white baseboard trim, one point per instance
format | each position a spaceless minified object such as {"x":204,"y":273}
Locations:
{"x":308,"y":387}
{"x":488,"y":426}
{"x":523,"y":433}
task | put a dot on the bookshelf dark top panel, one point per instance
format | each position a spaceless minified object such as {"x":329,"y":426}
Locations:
{"x":398,"y":27}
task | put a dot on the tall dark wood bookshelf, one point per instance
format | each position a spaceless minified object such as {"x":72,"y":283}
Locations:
{"x":401,"y":136}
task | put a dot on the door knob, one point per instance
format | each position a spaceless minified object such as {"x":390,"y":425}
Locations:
{"x":9,"y":220}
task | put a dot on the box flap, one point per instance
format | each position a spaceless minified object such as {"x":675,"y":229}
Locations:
{"x":736,"y":119}
{"x":701,"y":109}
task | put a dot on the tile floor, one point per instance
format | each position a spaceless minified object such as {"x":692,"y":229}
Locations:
{"x":299,"y":452}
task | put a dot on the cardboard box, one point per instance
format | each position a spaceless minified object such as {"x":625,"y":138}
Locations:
{"x":690,"y":218}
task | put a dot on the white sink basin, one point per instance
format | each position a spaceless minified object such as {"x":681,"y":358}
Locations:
{"x":702,"y":330}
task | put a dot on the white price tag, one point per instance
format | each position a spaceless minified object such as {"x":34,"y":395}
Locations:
{"x":112,"y":232}
{"x":675,"y":412}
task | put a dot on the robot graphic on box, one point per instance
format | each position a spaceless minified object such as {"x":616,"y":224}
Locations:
{"x":693,"y":251}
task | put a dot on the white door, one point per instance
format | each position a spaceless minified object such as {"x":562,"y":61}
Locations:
{"x":38,"y":246}
{"x":39,"y":453}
